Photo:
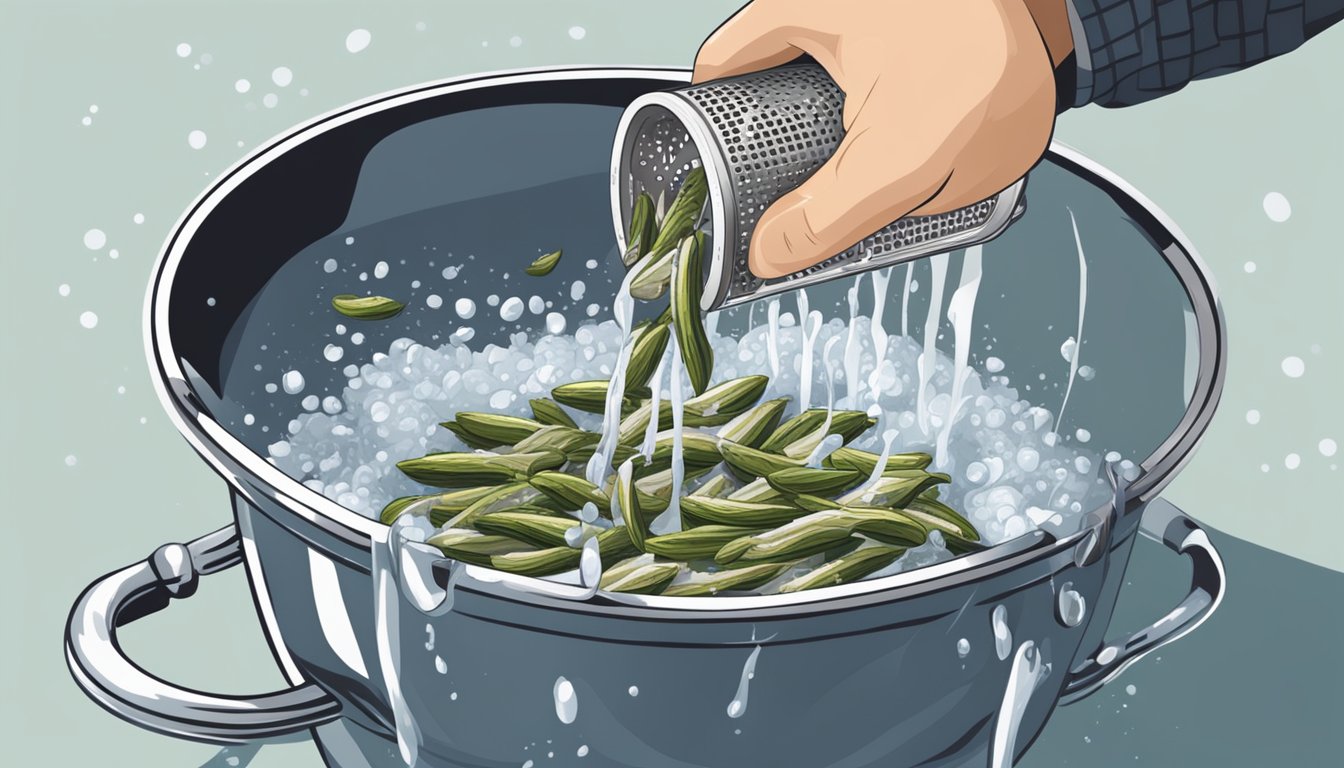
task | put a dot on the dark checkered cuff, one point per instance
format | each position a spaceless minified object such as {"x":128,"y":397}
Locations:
{"x":1130,"y":51}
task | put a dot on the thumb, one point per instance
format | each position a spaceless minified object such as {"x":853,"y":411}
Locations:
{"x":752,"y":39}
{"x":870,"y":181}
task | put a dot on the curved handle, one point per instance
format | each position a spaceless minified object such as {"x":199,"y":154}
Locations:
{"x":126,"y":690}
{"x":1162,"y":520}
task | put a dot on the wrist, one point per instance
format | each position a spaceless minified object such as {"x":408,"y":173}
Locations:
{"x":1052,"y":22}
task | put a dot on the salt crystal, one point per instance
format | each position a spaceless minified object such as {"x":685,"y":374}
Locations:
{"x":434,"y":301}
{"x":333,"y":353}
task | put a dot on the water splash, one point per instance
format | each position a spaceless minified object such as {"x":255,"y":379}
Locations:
{"x":234,"y":756}
{"x":929,"y":357}
{"x":566,"y":700}
{"x":738,"y":706}
{"x":960,"y":311}
{"x":1028,"y":671}
{"x":1082,"y":310}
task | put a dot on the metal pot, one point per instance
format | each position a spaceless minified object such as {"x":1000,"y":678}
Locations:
{"x":862,"y":674}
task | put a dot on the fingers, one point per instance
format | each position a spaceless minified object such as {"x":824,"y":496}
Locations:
{"x":871,"y":181}
{"x":752,"y":39}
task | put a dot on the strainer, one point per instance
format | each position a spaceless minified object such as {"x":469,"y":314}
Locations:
{"x":759,"y":136}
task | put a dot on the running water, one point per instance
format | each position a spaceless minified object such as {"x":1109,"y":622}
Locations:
{"x":670,"y":520}
{"x":772,"y":338}
{"x":656,"y":397}
{"x":1027,"y":673}
{"x":960,"y":311}
{"x":929,"y":358}
{"x":853,"y":382}
{"x":1082,"y":307}
{"x":738,"y":706}
{"x":623,"y":310}
{"x":905,"y":299}
{"x":881,"y":279}
{"x":809,"y":343}
{"x":387,"y":603}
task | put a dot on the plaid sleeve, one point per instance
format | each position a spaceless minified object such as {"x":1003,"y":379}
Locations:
{"x":1130,"y":51}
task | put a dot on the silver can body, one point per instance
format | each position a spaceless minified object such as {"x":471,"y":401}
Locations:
{"x":759,"y":136}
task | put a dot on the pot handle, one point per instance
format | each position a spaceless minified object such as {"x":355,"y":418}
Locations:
{"x":1163,"y":521}
{"x":128,"y":691}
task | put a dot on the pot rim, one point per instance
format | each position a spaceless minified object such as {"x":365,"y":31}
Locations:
{"x":249,"y":473}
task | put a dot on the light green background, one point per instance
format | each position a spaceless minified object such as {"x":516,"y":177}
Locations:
{"x":1208,"y":156}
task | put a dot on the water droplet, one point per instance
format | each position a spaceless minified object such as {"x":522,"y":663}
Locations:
{"x":71,"y":461}
{"x":358,"y":40}
{"x":88,"y":319}
{"x":963,"y":648}
{"x":993,"y":364}
{"x":1277,"y":207}
{"x":1293,"y":367}
{"x":1249,"y":267}
{"x":1072,"y":606}
{"x":577,"y":33}
{"x":583,"y":751}
{"x":242,"y":85}
{"x":434,"y":301}
{"x":183,"y":50}
{"x":63,"y":289}
{"x":466,"y":308}
{"x":292,"y":382}
{"x":1327,"y":447}
{"x":566,"y":700}
{"x":440,"y":665}
{"x":196,"y":139}
{"x":1003,"y":636}
{"x":1131,"y":689}
{"x":1292,"y":461}
{"x":1253,"y":416}
{"x":634,"y":690}
{"x":282,"y":76}
{"x":95,"y":239}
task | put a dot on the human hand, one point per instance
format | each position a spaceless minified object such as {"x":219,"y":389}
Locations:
{"x":947,"y":102}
